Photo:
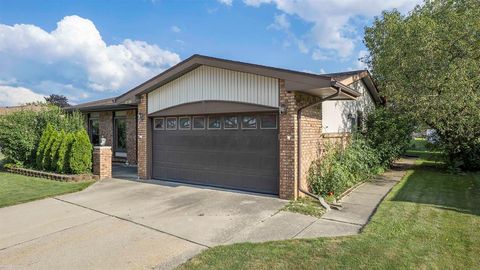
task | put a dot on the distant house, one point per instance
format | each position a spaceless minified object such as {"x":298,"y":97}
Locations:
{"x":10,"y":109}
{"x":231,"y":124}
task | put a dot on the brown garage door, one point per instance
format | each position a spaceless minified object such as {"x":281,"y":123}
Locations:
{"x":231,"y":151}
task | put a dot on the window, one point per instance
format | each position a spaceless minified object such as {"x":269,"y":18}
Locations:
{"x":268,"y":121}
{"x":120,"y":134}
{"x":159,"y":124}
{"x":184,"y":123}
{"x":214,"y":122}
{"x":171,"y":123}
{"x":94,"y":131}
{"x":230,"y":122}
{"x":249,"y":122}
{"x":198,"y":122}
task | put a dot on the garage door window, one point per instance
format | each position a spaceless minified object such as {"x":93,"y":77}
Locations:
{"x":230,"y":122}
{"x":184,"y":123}
{"x":159,"y":124}
{"x":268,"y":121}
{"x":214,"y":122}
{"x":249,"y":122}
{"x":171,"y":123}
{"x":198,"y":122}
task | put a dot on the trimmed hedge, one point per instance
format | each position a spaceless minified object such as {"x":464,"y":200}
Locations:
{"x":64,"y":152}
{"x":80,"y":158}
{"x":21,"y":133}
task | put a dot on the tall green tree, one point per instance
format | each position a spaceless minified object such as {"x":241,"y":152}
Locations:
{"x":428,"y":64}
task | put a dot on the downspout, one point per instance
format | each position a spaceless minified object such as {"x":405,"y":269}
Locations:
{"x":299,"y":147}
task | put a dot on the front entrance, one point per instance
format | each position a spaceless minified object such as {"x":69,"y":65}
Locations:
{"x":120,"y":137}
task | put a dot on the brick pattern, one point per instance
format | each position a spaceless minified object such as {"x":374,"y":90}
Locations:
{"x":106,"y":126}
{"x":288,"y":144}
{"x":311,"y":140}
{"x":132,"y":136}
{"x":102,"y":161}
{"x":142,"y":126}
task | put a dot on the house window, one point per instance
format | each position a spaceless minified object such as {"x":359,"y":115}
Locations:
{"x":120,"y":134}
{"x":159,"y":123}
{"x":171,"y":123}
{"x":198,"y":122}
{"x":94,"y":130}
{"x":214,"y":122}
{"x":184,"y":123}
{"x":268,"y":121}
{"x":230,"y":122}
{"x":249,"y":122}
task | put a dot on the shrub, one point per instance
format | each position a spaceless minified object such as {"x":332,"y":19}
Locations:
{"x":42,"y":144}
{"x":47,"y":152}
{"x":55,"y":150}
{"x":21,"y":132}
{"x":62,"y":164}
{"x":340,"y":169}
{"x":17,"y":136}
{"x":80,"y":158}
{"x":389,"y":132}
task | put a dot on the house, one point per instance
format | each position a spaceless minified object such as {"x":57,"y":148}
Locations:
{"x":231,"y":124}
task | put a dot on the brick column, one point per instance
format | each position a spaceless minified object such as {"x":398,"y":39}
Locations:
{"x":102,"y":161}
{"x":143,"y":139}
{"x":288,"y":144}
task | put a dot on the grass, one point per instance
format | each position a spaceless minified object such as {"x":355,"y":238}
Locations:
{"x":430,"y":220}
{"x":15,"y":189}
{"x":306,"y":206}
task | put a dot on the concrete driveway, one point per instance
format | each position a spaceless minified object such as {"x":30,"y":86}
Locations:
{"x":121,"y":224}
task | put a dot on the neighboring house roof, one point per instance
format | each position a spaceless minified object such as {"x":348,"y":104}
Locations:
{"x":100,"y":105}
{"x":320,"y":85}
{"x":350,"y":77}
{"x":11,"y":109}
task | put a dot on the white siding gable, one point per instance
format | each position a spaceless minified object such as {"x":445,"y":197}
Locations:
{"x":210,"y":83}
{"x":335,"y":114}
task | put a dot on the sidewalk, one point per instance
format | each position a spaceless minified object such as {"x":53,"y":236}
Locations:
{"x":358,"y":206}
{"x":357,"y":209}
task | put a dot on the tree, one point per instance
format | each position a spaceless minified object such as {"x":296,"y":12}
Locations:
{"x":427,"y":64}
{"x":59,"y":100}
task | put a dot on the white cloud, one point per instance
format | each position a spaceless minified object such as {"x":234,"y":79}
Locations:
{"x":280,"y":23}
{"x":76,"y":53}
{"x":226,"y":2}
{"x":322,"y":71}
{"x":175,"y":29}
{"x":12,"y":96}
{"x":331,"y":19}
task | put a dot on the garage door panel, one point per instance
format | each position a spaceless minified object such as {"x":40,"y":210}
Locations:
{"x":239,"y":159}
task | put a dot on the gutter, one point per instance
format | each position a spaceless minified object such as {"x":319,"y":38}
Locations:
{"x":339,"y":88}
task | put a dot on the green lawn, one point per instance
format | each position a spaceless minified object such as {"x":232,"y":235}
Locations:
{"x":430,"y":220}
{"x":15,"y":189}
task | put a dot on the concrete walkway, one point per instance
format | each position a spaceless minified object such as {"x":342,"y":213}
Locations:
{"x":121,"y":224}
{"x":358,"y":207}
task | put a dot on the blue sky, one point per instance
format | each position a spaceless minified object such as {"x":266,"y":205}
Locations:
{"x":88,"y":50}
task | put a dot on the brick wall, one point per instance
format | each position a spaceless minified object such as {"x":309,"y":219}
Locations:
{"x":102,"y":161}
{"x":288,"y":144}
{"x":132,"y":136}
{"x":143,"y":166}
{"x":106,"y":126}
{"x":311,"y":140}
{"x":311,"y":137}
